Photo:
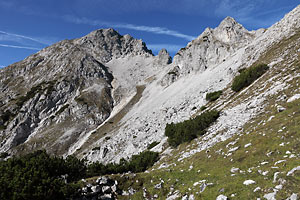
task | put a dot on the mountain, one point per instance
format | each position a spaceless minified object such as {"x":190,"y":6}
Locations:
{"x":104,"y":97}
{"x":63,"y":92}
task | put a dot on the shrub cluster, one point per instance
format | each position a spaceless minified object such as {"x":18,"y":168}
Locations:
{"x":248,"y":76}
{"x":41,"y":176}
{"x":137,"y":163}
{"x":153,"y":144}
{"x":188,"y":130}
{"x":213,"y":95}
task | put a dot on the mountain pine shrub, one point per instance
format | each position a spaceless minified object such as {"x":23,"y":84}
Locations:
{"x":137,"y":163}
{"x":153,"y":144}
{"x":190,"y":129}
{"x":40,"y":176}
{"x":248,"y":76}
{"x":213,"y":95}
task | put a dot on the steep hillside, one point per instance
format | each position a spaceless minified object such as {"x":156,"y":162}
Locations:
{"x":177,"y":91}
{"x":251,"y":152}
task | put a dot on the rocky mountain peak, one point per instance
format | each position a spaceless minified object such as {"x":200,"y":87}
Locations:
{"x":107,"y":44}
{"x":164,"y":57}
{"x":228,"y":22}
{"x":230,"y":31}
{"x":212,"y":46}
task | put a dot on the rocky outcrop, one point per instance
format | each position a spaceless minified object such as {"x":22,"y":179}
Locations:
{"x":103,"y":188}
{"x":163,"y":58}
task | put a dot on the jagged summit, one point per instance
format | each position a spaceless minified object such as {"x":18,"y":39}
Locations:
{"x":230,"y":31}
{"x":212,"y":46}
{"x":106,"y":44}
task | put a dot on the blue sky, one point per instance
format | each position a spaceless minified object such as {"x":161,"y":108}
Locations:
{"x":27,"y":26}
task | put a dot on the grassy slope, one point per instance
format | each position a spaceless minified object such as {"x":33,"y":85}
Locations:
{"x":278,"y":135}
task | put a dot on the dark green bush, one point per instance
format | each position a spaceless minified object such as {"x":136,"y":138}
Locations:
{"x":188,"y":130}
{"x":203,"y":108}
{"x":39,"y":176}
{"x":213,"y":95}
{"x":137,"y":163}
{"x":142,"y":161}
{"x":248,"y":76}
{"x":153,"y":144}
{"x":4,"y":155}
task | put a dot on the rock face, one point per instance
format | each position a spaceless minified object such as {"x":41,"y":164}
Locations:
{"x":104,"y":188}
{"x":163,"y":57}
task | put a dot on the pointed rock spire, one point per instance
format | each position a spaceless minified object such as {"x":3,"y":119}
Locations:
{"x":164,"y":57}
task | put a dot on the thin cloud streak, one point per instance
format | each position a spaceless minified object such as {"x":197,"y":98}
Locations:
{"x":18,"y":47}
{"x":24,"y":37}
{"x":149,"y":29}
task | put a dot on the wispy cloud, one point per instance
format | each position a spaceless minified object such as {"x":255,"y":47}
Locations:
{"x":173,"y":48}
{"x":17,"y":37}
{"x":19,"y":47}
{"x":12,"y":40}
{"x":150,"y":29}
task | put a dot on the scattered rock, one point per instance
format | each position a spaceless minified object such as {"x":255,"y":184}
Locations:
{"x":275,"y":176}
{"x":279,"y":161}
{"x":105,"y":188}
{"x":257,"y":189}
{"x":221,"y":190}
{"x":96,"y":188}
{"x":280,"y":108}
{"x":202,"y":187}
{"x":293,"y":98}
{"x":270,"y":196}
{"x":221,"y":197}
{"x":293,"y":197}
{"x":234,"y":170}
{"x":233,"y":149}
{"x":278,"y":187}
{"x":102,"y":180}
{"x":158,"y":186}
{"x":131,"y":191}
{"x":291,"y":172}
{"x":249,"y":182}
{"x":247,"y":145}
